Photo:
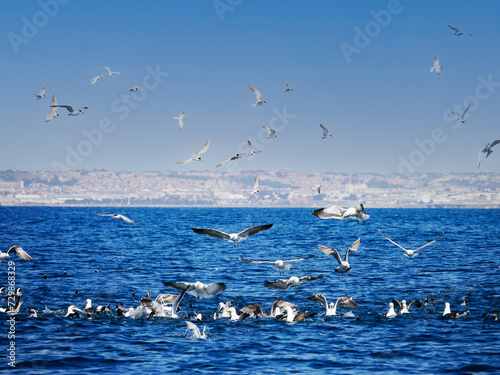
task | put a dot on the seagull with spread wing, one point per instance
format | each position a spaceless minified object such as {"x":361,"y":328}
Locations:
{"x":487,"y":150}
{"x":280,"y":265}
{"x":436,"y":67}
{"x":337,"y":212}
{"x":344,"y":264}
{"x":331,"y":309}
{"x":53,"y":110}
{"x":258,"y":96}
{"x":403,"y":308}
{"x":180,"y":119}
{"x":41,"y":94}
{"x":411,"y":253}
{"x":110,"y":73}
{"x":251,"y":151}
{"x":461,"y":118}
{"x":116,"y":216}
{"x":15,"y":250}
{"x":326,"y":134}
{"x":272,"y":132}
{"x":232,"y":237}
{"x":234,"y":157}
{"x":196,"y":155}
{"x":71,"y":111}
{"x":293,"y":281}
{"x":457,"y":32}
{"x":288,"y":88}
{"x":197,"y":289}
{"x":255,"y":188}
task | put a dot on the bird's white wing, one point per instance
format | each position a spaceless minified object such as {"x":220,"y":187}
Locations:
{"x":320,"y":298}
{"x":298,"y":259}
{"x":256,"y":261}
{"x":101,"y":214}
{"x":224,"y":162}
{"x":179,"y":285}
{"x":42,"y":91}
{"x":51,"y":115}
{"x":330,"y":251}
{"x":331,"y":212}
{"x":212,"y":233}
{"x":258,"y":95}
{"x":254,"y":230}
{"x":256,"y":183}
{"x":20,"y":253}
{"x":479,"y":157}
{"x":95,"y":79}
{"x":395,"y":243}
{"x":204,"y":149}
{"x":427,"y":244}
{"x":54,"y":100}
{"x":215,"y":288}
{"x":353,"y":247}
{"x":187,"y":161}
{"x":193,"y":327}
{"x":105,"y":67}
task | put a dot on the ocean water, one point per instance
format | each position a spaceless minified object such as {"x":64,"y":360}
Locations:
{"x":160,"y":246}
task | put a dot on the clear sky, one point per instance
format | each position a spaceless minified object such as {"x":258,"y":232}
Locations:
{"x":361,"y":68}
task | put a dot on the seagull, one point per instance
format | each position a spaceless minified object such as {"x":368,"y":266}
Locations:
{"x":93,"y":80}
{"x":391,"y":313}
{"x":233,"y":237}
{"x":134,"y":88}
{"x":197,"y":289}
{"x":88,"y":308}
{"x":110,"y":73}
{"x":344,"y":264}
{"x":293,"y":281}
{"x":292,"y":316}
{"x":15,"y":250}
{"x":403,"y":308}
{"x":336,"y":212}
{"x":326,"y":134}
{"x":234,"y":157}
{"x":71,"y":111}
{"x":251,"y":151}
{"x":411,"y":253}
{"x":53,"y":111}
{"x":177,"y":301}
{"x":117,"y":216}
{"x":236,"y":315}
{"x":461,"y":118}
{"x":288,"y":89}
{"x":457,"y":32}
{"x":272,"y":132}
{"x":33,"y":313}
{"x":72,"y":312}
{"x":197,"y":155}
{"x":41,"y":94}
{"x":317,"y":188}
{"x":487,"y":150}
{"x":196,"y":334}
{"x":280,"y":265}
{"x":258,"y":96}
{"x":453,"y":314}
{"x":13,"y":309}
{"x":278,"y":306}
{"x":331,"y":309}
{"x":180,"y":119}
{"x":436,"y":66}
{"x":255,"y":188}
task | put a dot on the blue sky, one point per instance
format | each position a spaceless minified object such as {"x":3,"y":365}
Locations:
{"x":386,"y":111}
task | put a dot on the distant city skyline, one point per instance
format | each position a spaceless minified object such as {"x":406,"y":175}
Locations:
{"x":362,"y":69}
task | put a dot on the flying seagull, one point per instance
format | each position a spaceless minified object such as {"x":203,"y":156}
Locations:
{"x":317,"y":188}
{"x":336,"y":212}
{"x":251,"y":151}
{"x":195,"y":331}
{"x":403,"y":308}
{"x":197,"y":289}
{"x":326,"y":134}
{"x":487,"y":150}
{"x":15,"y":250}
{"x":110,"y":73}
{"x":255,"y":188}
{"x":117,"y":216}
{"x":344,"y":264}
{"x":293,"y":281}
{"x":436,"y":66}
{"x":280,"y":265}
{"x":180,"y":119}
{"x":234,"y":157}
{"x":461,"y":118}
{"x":93,"y":80}
{"x":411,"y":253}
{"x":134,"y":88}
{"x":331,"y":309}
{"x":71,"y":111}
{"x":258,"y":96}
{"x":457,"y":32}
{"x":272,"y":132}
{"x":41,"y":94}
{"x":288,"y":89}
{"x":233,"y":237}
{"x":53,"y":111}
{"x":196,"y":155}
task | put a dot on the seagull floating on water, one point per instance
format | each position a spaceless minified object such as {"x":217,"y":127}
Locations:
{"x":197,"y":289}
{"x":411,"y":253}
{"x":453,"y":314}
{"x":331,"y":309}
{"x":337,"y":212}
{"x":232,"y":237}
{"x":15,"y":250}
{"x":403,"y":308}
{"x":72,"y":312}
{"x":272,"y":132}
{"x":487,"y":150}
{"x":391,"y":313}
{"x":41,"y":94}
{"x":117,"y":216}
{"x":53,"y":111}
{"x":461,"y":118}
{"x":436,"y":67}
{"x":280,"y":265}
{"x":457,"y":32}
{"x":326,"y":134}
{"x":180,"y":119}
{"x":258,"y":96}
{"x":344,"y":264}
{"x":196,"y":155}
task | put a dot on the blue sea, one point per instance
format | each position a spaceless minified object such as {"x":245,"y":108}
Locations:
{"x":160,"y":246}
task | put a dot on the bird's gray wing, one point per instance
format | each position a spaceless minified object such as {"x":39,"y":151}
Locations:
{"x":256,"y":261}
{"x":453,"y":28}
{"x":484,"y":150}
{"x":392,"y":241}
{"x":331,"y":212}
{"x":397,"y":304}
{"x":330,"y":251}
{"x":20,"y":253}
{"x":427,"y":244}
{"x":215,"y":288}
{"x":258,"y":95}
{"x":320,"y":298}
{"x":297,"y":259}
{"x":179,"y":299}
{"x":179,"y":285}
{"x":212,"y":233}
{"x":166,"y":298}
{"x":254,"y":230}
{"x":309,"y":278}
{"x":416,"y":302}
{"x":253,"y":309}
{"x":278,"y":284}
{"x":353,"y":247}
{"x":495,"y":142}
{"x":346,"y":301}
{"x":68,"y":107}
{"x":466,"y":109}
{"x":325,"y":130}
{"x":282,"y":304}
